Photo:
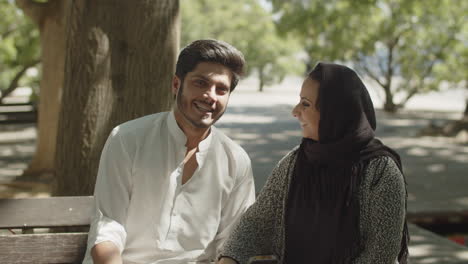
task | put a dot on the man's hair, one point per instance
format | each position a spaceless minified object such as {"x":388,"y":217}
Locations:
{"x":210,"y":50}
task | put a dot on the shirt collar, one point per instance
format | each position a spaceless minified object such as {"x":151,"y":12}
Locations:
{"x":175,"y":130}
{"x":204,"y":146}
{"x":180,"y":137}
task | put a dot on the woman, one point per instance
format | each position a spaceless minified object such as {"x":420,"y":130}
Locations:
{"x":340,"y":197}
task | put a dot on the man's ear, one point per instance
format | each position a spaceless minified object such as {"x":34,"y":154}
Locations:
{"x":175,"y":85}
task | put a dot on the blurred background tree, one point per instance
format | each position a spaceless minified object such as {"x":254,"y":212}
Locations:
{"x":455,"y":70}
{"x":454,"y":73}
{"x":120,"y":61}
{"x":49,"y":17}
{"x":19,"y":49}
{"x":250,"y":27}
{"x":396,"y":43}
{"x":406,"y":47}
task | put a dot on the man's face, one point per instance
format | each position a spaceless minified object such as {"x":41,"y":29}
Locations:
{"x":203,"y":95}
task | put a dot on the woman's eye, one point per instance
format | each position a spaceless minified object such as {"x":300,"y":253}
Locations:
{"x":305,"y":104}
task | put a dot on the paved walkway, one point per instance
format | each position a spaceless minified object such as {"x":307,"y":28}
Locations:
{"x":428,"y":248}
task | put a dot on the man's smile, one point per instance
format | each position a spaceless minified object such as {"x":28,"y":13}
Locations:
{"x":204,"y":108}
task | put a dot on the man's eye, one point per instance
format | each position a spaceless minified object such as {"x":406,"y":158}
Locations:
{"x":200,"y":82}
{"x":223,"y":89}
{"x":305,"y":104}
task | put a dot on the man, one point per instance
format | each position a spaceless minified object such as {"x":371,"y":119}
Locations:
{"x":170,"y":185}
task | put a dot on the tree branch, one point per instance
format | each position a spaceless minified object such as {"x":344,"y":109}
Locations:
{"x":372,"y":75}
{"x":36,"y":11}
{"x":438,"y":55}
{"x":363,"y":69}
{"x":14,"y":83}
{"x":391,"y":44}
{"x":410,"y":94}
{"x":7,"y":32}
{"x":428,"y":70}
{"x":380,"y":63}
{"x":390,"y":70}
{"x":465,"y":113}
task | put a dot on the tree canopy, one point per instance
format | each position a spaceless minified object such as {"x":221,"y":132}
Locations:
{"x":405,"y":46}
{"x":19,"y":50}
{"x":250,"y":27}
{"x":397,"y":43}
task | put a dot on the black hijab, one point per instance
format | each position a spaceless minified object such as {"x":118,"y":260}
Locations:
{"x":322,"y":215}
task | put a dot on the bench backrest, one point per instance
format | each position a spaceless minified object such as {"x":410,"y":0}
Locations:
{"x":27,"y":214}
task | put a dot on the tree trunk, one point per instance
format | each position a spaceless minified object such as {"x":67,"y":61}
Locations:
{"x":261,"y":79}
{"x":120,"y":62}
{"x":51,"y":20}
{"x":389,"y":105}
{"x":465,"y":113}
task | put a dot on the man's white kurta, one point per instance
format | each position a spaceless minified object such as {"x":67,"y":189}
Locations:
{"x":142,"y":206}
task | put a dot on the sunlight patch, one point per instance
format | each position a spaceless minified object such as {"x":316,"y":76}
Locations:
{"x":246,"y":119}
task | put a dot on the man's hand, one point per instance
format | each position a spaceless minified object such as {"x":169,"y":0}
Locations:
{"x":106,"y":253}
{"x":226,"y":261}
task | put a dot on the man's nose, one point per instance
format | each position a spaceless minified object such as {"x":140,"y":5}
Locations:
{"x":210,"y":94}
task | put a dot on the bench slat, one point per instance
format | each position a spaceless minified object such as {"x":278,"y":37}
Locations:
{"x":43,"y":248}
{"x":46,"y":212}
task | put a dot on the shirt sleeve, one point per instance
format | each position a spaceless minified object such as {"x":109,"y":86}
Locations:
{"x":111,"y":194}
{"x":256,"y":231}
{"x":386,"y":214}
{"x":241,"y":198}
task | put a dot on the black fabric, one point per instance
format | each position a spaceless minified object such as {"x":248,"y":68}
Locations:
{"x":322,"y":215}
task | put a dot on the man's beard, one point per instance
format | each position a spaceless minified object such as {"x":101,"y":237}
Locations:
{"x":179,"y":105}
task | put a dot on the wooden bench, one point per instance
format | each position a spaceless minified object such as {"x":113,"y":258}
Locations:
{"x":18,"y":113}
{"x":28,"y":216}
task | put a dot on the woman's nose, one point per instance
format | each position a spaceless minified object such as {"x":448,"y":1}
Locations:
{"x":294,"y":111}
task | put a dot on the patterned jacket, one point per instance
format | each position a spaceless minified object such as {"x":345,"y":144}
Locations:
{"x":261,"y":230}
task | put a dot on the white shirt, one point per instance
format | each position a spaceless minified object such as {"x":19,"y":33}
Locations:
{"x":143,"y":208}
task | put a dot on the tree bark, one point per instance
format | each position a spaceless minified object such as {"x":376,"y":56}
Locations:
{"x":389,"y":106}
{"x":261,"y":79}
{"x":465,"y":113}
{"x":51,"y":20}
{"x":120,"y":62}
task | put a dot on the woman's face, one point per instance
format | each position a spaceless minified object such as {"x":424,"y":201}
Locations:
{"x":306,"y":112}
